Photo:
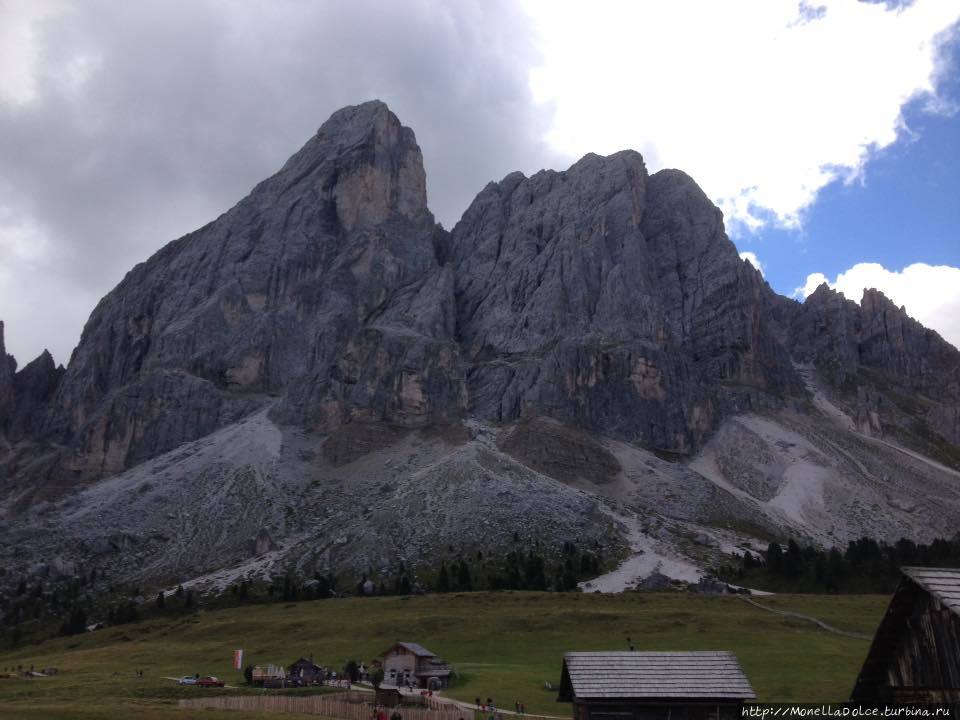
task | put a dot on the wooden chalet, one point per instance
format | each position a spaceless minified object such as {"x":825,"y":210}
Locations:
{"x":915,"y":654}
{"x":307,"y":673}
{"x":635,"y":685}
{"x":406,"y":663}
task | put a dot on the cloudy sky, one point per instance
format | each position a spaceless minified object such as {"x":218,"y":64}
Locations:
{"x":827,"y":131}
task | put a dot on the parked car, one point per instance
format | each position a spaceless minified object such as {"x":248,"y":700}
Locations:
{"x":210,"y":681}
{"x":187,"y":680}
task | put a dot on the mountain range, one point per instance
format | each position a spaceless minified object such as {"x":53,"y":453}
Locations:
{"x":324,"y":379}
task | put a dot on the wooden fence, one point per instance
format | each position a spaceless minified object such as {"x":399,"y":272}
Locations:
{"x":326,"y":705}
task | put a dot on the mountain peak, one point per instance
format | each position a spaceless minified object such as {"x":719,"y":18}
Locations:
{"x":823,"y":292}
{"x":351,"y":114}
{"x":364,"y":160}
{"x":874,"y":299}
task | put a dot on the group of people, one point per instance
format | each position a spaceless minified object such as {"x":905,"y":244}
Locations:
{"x":490,"y":707}
{"x":380,"y":713}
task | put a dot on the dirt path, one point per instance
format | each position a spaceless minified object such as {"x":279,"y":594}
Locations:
{"x":499,"y":711}
{"x":809,"y":618}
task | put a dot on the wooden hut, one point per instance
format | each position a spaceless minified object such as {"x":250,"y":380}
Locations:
{"x":915,"y":654}
{"x":635,"y":685}
{"x":307,"y":673}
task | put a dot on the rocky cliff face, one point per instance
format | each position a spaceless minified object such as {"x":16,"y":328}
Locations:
{"x":569,"y":325}
{"x":612,"y":301}
{"x":322,"y":288}
{"x":557,"y":310}
{"x":599,"y":296}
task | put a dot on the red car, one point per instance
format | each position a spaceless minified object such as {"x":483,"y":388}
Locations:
{"x":209,"y":682}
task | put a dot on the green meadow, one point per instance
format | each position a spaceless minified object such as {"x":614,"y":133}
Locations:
{"x":504,"y":645}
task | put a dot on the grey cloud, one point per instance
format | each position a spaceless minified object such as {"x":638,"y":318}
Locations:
{"x":187,"y":105}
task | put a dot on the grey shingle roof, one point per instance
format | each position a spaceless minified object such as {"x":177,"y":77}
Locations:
{"x":631,"y":674}
{"x":418,"y":650}
{"x":942,"y":583}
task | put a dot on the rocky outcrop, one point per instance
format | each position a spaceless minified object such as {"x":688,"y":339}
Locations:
{"x":898,"y":346}
{"x":33,"y":388}
{"x":25,"y":395}
{"x":825,"y":331}
{"x":841,"y":338}
{"x":892,"y":374}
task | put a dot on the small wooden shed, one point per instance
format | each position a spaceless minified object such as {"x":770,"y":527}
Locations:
{"x":915,"y":654}
{"x":636,"y":685}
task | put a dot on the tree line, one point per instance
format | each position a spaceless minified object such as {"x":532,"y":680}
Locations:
{"x":864,"y":566}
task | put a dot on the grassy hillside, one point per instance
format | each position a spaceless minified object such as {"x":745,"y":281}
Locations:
{"x":505,"y":645}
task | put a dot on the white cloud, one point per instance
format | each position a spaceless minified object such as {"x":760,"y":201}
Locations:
{"x":762,"y":103}
{"x":814,"y":280}
{"x":20,"y":47}
{"x":931,"y":293}
{"x":751,"y":257}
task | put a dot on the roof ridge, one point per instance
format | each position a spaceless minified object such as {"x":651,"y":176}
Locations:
{"x":656,"y":673}
{"x":649,"y":652}
{"x":942,"y":583}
